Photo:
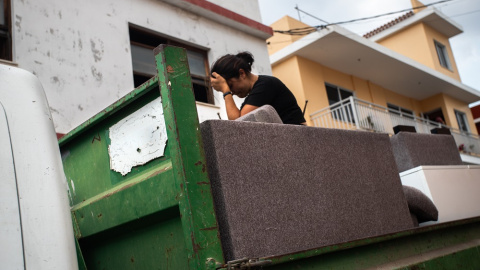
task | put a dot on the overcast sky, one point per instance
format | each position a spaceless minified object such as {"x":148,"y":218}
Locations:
{"x":466,"y":46}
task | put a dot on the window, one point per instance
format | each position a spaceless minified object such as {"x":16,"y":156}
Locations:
{"x":336,"y":94}
{"x":342,"y":110}
{"x":462,"y":121}
{"x":400,"y":111}
{"x":5,"y":31}
{"x":435,"y":115}
{"x":442,"y":55}
{"x":142,"y":43}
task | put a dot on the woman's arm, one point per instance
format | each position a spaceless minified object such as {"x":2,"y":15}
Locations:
{"x":219,"y":84}
{"x":233,"y":112}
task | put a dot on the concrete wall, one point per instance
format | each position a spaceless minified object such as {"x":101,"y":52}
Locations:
{"x":453,"y":104}
{"x":81,"y":52}
{"x":248,"y":8}
{"x":448,"y":105}
{"x":412,"y":43}
{"x":434,"y":35}
{"x":417,"y":42}
{"x":280,"y":41}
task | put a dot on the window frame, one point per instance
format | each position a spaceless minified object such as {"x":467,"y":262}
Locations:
{"x":341,"y":116}
{"x":442,"y":54}
{"x":338,"y":88}
{"x":402,"y":112}
{"x":6,"y":33}
{"x":459,"y":115}
{"x":170,"y":41}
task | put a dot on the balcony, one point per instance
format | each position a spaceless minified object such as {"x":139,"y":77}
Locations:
{"x":357,"y":114}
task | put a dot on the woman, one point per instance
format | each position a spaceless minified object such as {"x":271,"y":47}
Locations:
{"x":231,"y":75}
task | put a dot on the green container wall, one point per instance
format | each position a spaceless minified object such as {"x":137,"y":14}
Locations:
{"x":145,"y":219}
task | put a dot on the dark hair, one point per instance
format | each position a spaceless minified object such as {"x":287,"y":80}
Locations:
{"x":229,"y":65}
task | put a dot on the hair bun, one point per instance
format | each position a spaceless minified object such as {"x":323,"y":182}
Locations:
{"x":246,"y":56}
{"x":229,"y":65}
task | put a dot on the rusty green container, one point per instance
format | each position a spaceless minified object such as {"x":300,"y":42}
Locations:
{"x":160,"y":215}
{"x":148,"y":218}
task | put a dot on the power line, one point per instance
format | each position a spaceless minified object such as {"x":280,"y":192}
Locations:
{"x":354,"y":34}
{"x":299,"y":10}
{"x":390,"y":13}
{"x":311,"y":29}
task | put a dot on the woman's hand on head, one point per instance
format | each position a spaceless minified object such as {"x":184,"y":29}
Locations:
{"x":219,"y":83}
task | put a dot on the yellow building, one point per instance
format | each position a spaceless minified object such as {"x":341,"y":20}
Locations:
{"x":402,"y":73}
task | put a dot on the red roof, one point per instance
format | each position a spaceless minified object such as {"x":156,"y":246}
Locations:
{"x":388,"y":25}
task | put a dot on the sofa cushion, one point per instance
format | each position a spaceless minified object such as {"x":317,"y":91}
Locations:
{"x":285,"y":188}
{"x":265,"y":114}
{"x":420,"y":205}
{"x":413,"y":149}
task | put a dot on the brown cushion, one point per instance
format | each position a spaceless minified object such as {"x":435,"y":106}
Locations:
{"x":264,"y":114}
{"x":420,"y":205}
{"x":413,"y":149}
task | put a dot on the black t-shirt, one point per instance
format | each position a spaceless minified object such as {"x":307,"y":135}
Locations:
{"x":270,"y":90}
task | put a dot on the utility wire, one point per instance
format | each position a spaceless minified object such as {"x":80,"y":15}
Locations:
{"x":311,"y":29}
{"x":353,"y":34}
{"x":390,"y":13}
{"x":299,"y":10}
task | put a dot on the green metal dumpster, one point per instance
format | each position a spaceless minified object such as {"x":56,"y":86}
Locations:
{"x":138,"y":207}
{"x":148,"y":218}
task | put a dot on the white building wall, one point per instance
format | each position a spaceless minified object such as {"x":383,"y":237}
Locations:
{"x":80,"y":51}
{"x":248,"y":8}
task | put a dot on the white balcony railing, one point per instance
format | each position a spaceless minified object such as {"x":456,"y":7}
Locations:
{"x":357,"y":114}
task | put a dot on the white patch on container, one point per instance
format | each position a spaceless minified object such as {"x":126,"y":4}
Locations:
{"x":138,"y":138}
{"x":71,"y":192}
{"x":73,"y":187}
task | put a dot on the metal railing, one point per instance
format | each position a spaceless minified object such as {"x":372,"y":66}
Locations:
{"x":357,"y":114}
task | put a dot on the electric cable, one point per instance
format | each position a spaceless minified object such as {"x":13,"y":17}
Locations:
{"x":312,"y":29}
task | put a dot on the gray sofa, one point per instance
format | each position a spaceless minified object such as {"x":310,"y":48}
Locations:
{"x":414,"y":149}
{"x":281,"y":188}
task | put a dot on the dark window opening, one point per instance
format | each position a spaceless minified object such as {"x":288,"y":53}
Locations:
{"x":442,"y":55}
{"x":5,"y":31}
{"x":462,"y":121}
{"x":340,"y":111}
{"x":436,"y":116}
{"x":400,"y":111}
{"x":142,"y":43}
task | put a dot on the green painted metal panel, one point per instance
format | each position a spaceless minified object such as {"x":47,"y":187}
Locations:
{"x":147,"y":87}
{"x":188,"y":158}
{"x":152,"y":244}
{"x":145,"y":219}
{"x":132,"y":200}
{"x":106,"y":203}
{"x":86,"y":160}
{"x":468,"y":259}
{"x":384,"y":250}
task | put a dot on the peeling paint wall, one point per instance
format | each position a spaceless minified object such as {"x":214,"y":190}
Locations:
{"x":81,"y":52}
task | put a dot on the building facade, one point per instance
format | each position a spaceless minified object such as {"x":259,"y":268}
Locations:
{"x":402,"y":73}
{"x":91,"y":54}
